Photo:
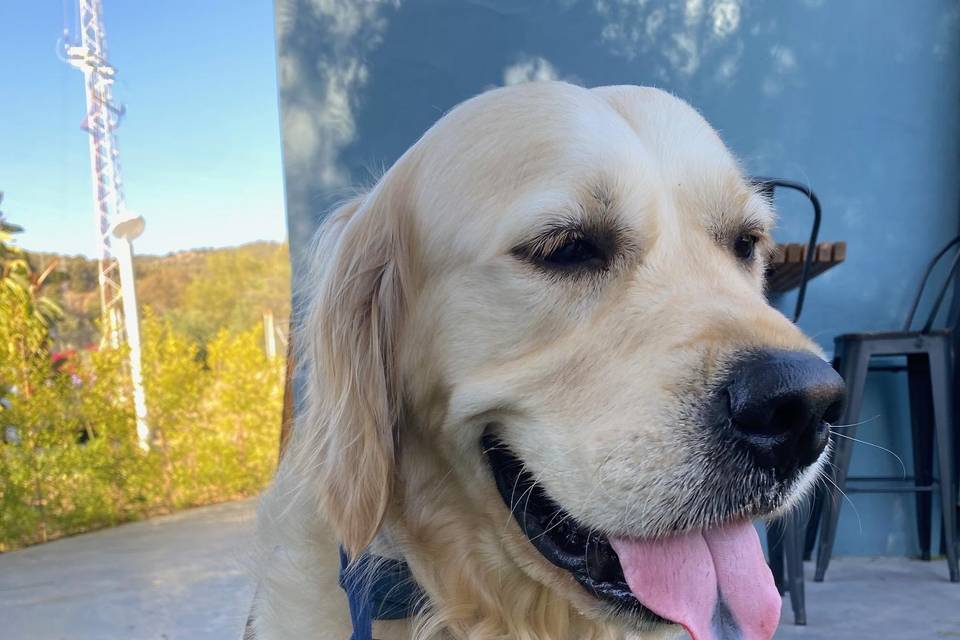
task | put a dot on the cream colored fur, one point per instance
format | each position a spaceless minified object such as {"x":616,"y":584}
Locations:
{"x":424,"y":329}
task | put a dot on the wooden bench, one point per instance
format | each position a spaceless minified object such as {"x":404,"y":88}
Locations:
{"x":786,"y":265}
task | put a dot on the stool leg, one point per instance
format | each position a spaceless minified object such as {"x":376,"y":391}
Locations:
{"x":820,"y":494}
{"x":775,"y":551}
{"x":794,"y":551}
{"x":943,"y":425}
{"x":921,"y":423}
{"x":955,"y":379}
{"x":853,"y":369}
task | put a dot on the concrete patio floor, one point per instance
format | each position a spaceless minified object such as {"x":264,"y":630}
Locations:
{"x":170,"y":578}
{"x":183,"y":577}
{"x":861,"y":598}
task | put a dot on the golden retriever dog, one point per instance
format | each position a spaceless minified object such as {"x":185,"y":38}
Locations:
{"x":543,"y":373}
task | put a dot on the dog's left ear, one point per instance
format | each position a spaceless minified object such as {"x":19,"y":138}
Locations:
{"x":347,"y":440}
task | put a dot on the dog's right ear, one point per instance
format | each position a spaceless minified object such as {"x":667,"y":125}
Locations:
{"x":346,"y":441}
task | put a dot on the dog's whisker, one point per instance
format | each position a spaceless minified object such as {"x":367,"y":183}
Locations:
{"x":512,"y":504}
{"x":903,"y":467}
{"x":526,"y":505}
{"x":586,"y":550}
{"x":511,"y":517}
{"x":847,"y":498}
{"x":550,"y":527}
{"x":854,"y":424}
{"x":525,"y":496}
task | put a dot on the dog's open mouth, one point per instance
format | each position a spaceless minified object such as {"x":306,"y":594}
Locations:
{"x":715,"y":583}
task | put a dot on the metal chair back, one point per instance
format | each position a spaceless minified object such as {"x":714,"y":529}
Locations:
{"x":928,"y":325}
{"x":768,"y":187}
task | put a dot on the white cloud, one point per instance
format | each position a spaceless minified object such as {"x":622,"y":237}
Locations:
{"x":726,"y":17}
{"x":529,"y":70}
{"x":676,"y":37}
{"x":321,"y":85}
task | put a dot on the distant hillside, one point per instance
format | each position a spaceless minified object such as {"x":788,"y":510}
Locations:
{"x":200,"y":291}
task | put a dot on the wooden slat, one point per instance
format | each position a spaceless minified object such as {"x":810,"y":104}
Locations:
{"x":775,"y":268}
{"x":790,"y":269}
{"x":822,"y":259}
{"x":785,"y":268}
{"x":824,"y":252}
{"x":789,"y":272}
{"x":839,"y":251}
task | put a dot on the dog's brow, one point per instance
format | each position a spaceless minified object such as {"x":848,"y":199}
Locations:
{"x":758,"y":214}
{"x":745,"y":211}
{"x":602,"y":196}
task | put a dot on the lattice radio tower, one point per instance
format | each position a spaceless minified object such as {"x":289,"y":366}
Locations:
{"x":116,"y":227}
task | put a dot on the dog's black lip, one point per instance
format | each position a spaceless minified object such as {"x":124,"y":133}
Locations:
{"x":585,"y":554}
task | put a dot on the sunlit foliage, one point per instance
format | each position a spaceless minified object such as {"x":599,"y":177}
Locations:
{"x":69,"y":460}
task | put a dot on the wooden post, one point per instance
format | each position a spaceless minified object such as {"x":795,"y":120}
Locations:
{"x":286,"y":420}
{"x":269,"y":335}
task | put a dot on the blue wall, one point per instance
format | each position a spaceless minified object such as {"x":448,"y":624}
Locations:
{"x":858,"y":98}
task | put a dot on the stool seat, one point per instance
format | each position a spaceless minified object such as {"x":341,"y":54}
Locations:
{"x":892,"y":335}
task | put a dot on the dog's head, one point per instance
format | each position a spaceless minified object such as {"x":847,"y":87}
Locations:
{"x":541,"y":342}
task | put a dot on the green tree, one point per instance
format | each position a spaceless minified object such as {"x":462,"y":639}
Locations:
{"x":25,"y":315}
{"x":233,"y":290}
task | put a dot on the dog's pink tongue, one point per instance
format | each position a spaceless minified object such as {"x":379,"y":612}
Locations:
{"x":715,"y":584}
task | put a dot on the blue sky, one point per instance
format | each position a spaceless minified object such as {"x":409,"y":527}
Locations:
{"x":200,"y":142}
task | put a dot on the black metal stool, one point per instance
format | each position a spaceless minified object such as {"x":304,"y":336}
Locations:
{"x":930,"y":378}
{"x":784,"y":538}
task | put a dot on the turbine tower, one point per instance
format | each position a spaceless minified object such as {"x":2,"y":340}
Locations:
{"x":116,"y":227}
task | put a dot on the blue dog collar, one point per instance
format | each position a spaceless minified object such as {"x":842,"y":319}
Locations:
{"x":377,"y":589}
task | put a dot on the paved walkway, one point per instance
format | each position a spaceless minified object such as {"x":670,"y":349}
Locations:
{"x":178,"y":577}
{"x":895,"y":598}
{"x":182,"y":577}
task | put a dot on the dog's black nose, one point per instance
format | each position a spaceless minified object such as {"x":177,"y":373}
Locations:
{"x":781,"y":405}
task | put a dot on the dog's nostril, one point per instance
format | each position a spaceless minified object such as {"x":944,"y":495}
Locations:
{"x":790,"y":413}
{"x":780,"y":403}
{"x":833,"y":412}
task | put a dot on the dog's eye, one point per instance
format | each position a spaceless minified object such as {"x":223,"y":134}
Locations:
{"x":571,"y":249}
{"x":575,"y":253}
{"x":745,"y":246}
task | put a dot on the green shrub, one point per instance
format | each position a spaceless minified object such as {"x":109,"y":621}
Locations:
{"x":76,"y":465}
{"x":69,"y":457}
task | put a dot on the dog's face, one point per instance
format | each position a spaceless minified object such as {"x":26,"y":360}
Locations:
{"x":554,"y":303}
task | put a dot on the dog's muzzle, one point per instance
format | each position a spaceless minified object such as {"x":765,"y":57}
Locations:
{"x":767,"y":421}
